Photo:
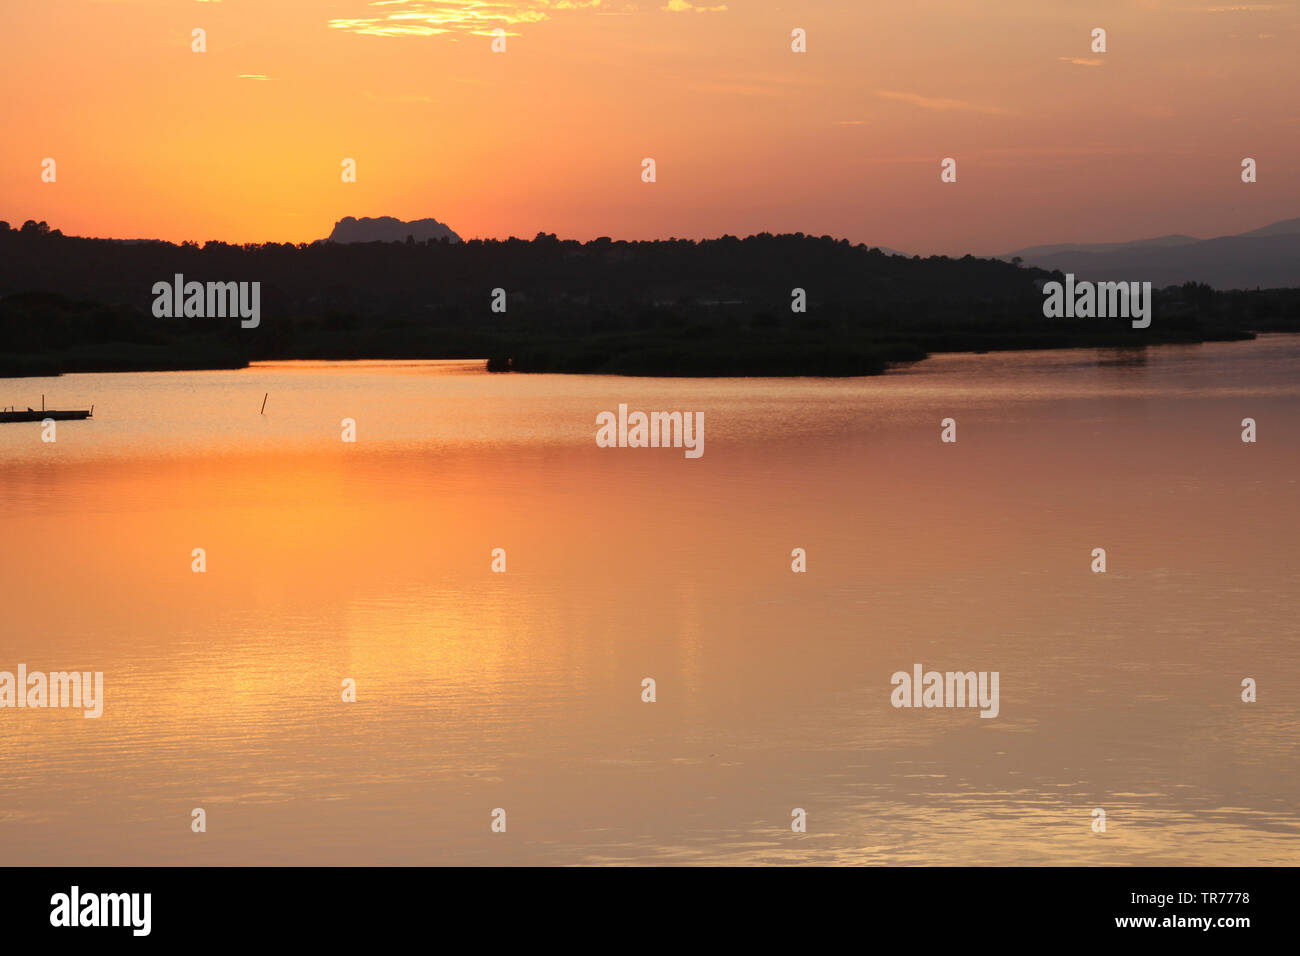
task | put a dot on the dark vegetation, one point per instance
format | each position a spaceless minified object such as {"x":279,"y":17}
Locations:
{"x":676,"y":307}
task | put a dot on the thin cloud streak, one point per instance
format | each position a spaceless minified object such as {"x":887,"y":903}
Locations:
{"x":941,"y":105}
{"x":422,"y":18}
{"x":682,"y":6}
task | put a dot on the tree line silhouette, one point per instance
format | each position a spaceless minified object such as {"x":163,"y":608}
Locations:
{"x":664,"y":307}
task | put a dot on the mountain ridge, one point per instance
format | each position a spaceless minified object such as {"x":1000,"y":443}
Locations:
{"x":1267,"y":257}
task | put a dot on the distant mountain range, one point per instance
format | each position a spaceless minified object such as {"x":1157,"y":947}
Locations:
{"x":1267,"y":258}
{"x":388,"y":229}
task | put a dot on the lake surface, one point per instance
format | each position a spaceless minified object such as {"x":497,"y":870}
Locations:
{"x":477,"y":690}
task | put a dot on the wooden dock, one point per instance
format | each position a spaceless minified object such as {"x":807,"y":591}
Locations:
{"x":13,"y":414}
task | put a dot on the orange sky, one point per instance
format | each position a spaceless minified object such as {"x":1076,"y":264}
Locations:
{"x":1053,"y":142}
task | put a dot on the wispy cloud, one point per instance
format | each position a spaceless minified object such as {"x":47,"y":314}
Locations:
{"x":252,"y":76}
{"x":423,"y":18}
{"x":1081,"y":60}
{"x":682,"y":6}
{"x":378,"y":28}
{"x":940,"y":104}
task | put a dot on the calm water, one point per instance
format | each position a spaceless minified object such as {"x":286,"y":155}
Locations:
{"x":521,"y":690}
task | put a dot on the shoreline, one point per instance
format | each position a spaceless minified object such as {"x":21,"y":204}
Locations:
{"x":885,"y":365}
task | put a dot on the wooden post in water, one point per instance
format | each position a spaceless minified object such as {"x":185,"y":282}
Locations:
{"x":264,"y":398}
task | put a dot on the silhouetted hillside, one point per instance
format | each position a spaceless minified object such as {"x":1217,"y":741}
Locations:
{"x":676,"y":307}
{"x":1267,"y":258}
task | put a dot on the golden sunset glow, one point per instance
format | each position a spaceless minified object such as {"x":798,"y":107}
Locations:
{"x":244,"y":142}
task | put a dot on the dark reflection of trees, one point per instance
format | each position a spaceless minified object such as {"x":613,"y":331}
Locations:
{"x":1129,"y":357}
